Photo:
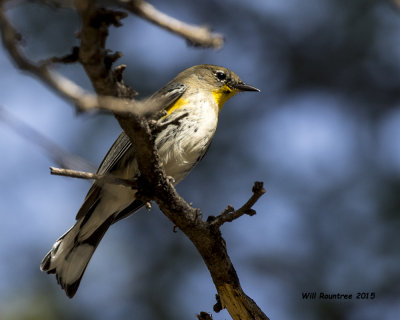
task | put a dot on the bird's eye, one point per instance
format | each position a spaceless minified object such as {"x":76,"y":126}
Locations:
{"x":221,"y":75}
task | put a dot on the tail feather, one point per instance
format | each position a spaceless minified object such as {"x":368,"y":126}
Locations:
{"x":71,"y":254}
{"x":68,"y":258}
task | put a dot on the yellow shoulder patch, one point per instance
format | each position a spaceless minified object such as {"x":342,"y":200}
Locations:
{"x":222,"y":95}
{"x":178,"y":104}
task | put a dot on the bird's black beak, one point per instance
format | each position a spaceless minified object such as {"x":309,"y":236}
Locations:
{"x":245,"y":87}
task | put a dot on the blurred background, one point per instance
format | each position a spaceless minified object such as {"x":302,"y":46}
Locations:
{"x":323,"y":135}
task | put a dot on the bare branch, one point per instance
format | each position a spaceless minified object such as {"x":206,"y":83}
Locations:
{"x":195,"y":35}
{"x":83,"y":100}
{"x":113,"y":95}
{"x":229,"y":214}
{"x":62,"y":85}
{"x":132,"y":183}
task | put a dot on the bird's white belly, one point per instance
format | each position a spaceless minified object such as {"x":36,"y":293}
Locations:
{"x":180,"y":149}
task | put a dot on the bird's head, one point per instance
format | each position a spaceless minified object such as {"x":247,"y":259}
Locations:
{"x":221,"y":82}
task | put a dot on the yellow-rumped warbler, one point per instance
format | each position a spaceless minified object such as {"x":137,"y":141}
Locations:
{"x":196,"y":97}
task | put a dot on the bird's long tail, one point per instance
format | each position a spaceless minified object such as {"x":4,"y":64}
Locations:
{"x":69,"y":256}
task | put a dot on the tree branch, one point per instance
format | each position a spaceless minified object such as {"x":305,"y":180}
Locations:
{"x":83,"y":100}
{"x":100,"y":178}
{"x":61,"y":85}
{"x":229,"y":214}
{"x":207,"y":239}
{"x":57,"y":82}
{"x":195,"y":35}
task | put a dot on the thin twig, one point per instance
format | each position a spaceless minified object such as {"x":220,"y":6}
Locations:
{"x":195,"y":35}
{"x":132,"y":183}
{"x":230,"y":214}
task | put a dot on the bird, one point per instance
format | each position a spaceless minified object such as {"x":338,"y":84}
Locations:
{"x":195,"y":98}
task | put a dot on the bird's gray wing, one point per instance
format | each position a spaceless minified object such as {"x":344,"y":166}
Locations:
{"x":164,"y":98}
{"x":161,"y":100}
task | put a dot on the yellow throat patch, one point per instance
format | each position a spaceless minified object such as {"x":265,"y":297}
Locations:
{"x":222,"y":95}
